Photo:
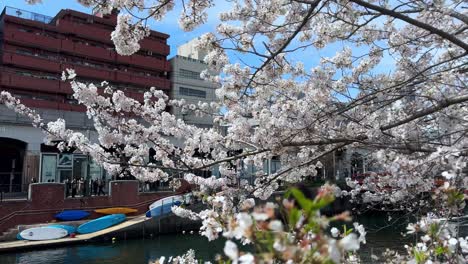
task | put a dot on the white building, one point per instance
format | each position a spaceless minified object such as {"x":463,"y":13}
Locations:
{"x":188,"y":85}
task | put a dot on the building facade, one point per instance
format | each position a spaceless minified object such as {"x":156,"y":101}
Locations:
{"x":187,"y":84}
{"x":35,"y":49}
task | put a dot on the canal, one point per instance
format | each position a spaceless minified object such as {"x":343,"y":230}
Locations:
{"x":381,"y":234}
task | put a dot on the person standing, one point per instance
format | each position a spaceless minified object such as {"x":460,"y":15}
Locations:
{"x":74,"y":186}
{"x":80,"y":186}
{"x":67,"y":187}
{"x":95,"y":187}
{"x":85,"y":186}
{"x":101,"y":187}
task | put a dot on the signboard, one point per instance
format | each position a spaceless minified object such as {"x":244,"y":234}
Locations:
{"x":65,"y":161}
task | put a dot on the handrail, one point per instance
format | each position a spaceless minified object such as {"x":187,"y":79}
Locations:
{"x":20,"y":13}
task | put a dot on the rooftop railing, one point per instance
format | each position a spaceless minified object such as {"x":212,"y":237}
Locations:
{"x":11,"y":11}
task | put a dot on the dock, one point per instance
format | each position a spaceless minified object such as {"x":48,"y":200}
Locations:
{"x":28,"y":244}
{"x":135,"y":227}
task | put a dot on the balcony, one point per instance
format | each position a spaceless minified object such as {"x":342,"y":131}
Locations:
{"x":31,"y":39}
{"x":83,"y":71}
{"x":145,"y":62}
{"x":52,"y":105}
{"x":155,"y":46}
{"x":159,"y":83}
{"x":30,"y":61}
{"x":66,"y":87}
{"x":83,"y":30}
{"x":87,"y":51}
{"x":31,"y":83}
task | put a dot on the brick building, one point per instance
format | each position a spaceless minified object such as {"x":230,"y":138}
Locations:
{"x":34,"y":50}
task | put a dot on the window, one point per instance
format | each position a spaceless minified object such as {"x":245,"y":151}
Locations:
{"x":24,"y":52}
{"x":192,"y":92}
{"x":26,"y":30}
{"x":189,"y":74}
{"x":48,"y":169}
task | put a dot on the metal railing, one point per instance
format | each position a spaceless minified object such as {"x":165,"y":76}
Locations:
{"x":13,"y":188}
{"x":150,"y":187}
{"x":11,"y":11}
{"x":86,"y":188}
{"x":13,"y":191}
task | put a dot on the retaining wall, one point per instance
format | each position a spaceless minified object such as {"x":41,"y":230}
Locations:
{"x":47,"y":199}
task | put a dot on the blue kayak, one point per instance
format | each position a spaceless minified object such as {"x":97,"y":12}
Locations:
{"x":162,"y":210}
{"x":72,"y":215}
{"x":70,"y":229}
{"x":101,"y":223}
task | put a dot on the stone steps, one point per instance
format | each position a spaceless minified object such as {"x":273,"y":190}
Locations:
{"x":10,"y":234}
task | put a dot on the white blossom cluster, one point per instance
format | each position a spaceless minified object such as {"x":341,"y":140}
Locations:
{"x":126,"y":36}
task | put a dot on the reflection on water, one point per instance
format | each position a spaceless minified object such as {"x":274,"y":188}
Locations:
{"x":381,"y":234}
{"x":121,"y":252}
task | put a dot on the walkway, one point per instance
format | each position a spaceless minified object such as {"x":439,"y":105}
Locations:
{"x":27,"y":244}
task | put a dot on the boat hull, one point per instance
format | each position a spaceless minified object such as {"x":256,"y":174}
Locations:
{"x":43,"y":233}
{"x":162,"y":210}
{"x":116,"y":210}
{"x":70,"y":229}
{"x":101,"y":223}
{"x":72,"y":215}
{"x":168,"y":200}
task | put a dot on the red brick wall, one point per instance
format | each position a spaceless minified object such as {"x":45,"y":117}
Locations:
{"x":47,"y":199}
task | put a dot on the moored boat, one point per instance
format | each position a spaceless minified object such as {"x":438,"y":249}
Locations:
{"x":43,"y":233}
{"x":167,"y":200}
{"x":163,"y":206}
{"x":72,"y":215}
{"x":101,"y":223}
{"x":116,"y":210}
{"x":70,"y":229}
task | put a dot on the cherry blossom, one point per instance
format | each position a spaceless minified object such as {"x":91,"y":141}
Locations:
{"x":298,"y":81}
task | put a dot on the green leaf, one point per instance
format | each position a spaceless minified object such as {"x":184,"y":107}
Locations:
{"x":419,"y":256}
{"x":346,"y":231}
{"x":294,"y":216}
{"x":303,"y":202}
{"x":441,"y":250}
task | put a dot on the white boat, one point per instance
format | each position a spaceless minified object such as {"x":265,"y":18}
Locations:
{"x":166,"y":201}
{"x":43,"y":233}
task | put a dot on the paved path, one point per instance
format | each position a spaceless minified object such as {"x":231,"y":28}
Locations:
{"x":27,"y":244}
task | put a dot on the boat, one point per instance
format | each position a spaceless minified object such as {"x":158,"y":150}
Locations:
{"x":70,"y":229}
{"x":18,"y":236}
{"x":101,"y":223}
{"x":43,"y":233}
{"x":166,"y":200}
{"x":72,"y":215}
{"x":163,"y":206}
{"x":116,"y":210}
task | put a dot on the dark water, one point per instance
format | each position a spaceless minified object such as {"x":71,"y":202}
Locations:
{"x":120,"y":252}
{"x":381,"y":234}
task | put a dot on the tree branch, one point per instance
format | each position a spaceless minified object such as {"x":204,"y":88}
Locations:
{"x":414,"y":22}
